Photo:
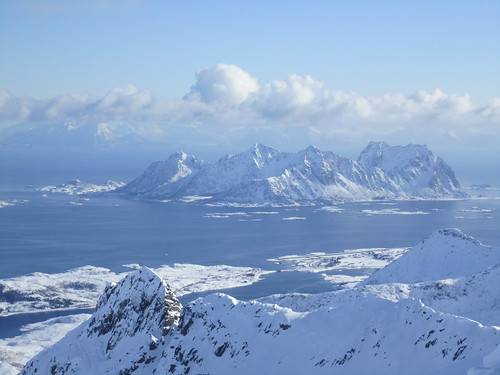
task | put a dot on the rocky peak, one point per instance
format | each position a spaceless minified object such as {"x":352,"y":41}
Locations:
{"x":262,"y":154}
{"x":372,"y":154}
{"x":124,"y":335}
{"x":141,"y":302}
{"x":396,"y":158}
{"x":177,"y":156}
{"x":177,"y":167}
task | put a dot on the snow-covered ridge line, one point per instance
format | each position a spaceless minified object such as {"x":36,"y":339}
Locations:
{"x":265,"y":176}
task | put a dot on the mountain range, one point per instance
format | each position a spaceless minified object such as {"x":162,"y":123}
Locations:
{"x":386,"y":326}
{"x":264,"y":175}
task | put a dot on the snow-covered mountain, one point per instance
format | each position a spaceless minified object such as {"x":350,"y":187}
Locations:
{"x":167,"y":177}
{"x":263,"y":175}
{"x":139,"y":327}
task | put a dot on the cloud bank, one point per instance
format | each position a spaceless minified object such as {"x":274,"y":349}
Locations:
{"x":225,"y":102}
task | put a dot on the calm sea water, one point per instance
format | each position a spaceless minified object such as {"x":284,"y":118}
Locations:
{"x":53,"y":235}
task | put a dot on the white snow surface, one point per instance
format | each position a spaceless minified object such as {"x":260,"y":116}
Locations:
{"x":445,"y":254}
{"x":77,"y":187}
{"x":393,"y":211}
{"x":334,"y":209}
{"x":16,"y":351}
{"x":6,"y":204}
{"x":265,"y":176}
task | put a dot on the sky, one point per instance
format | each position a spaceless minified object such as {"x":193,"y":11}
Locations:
{"x":226,"y":74}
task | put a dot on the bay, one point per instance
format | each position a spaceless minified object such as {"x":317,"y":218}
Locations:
{"x":58,"y":232}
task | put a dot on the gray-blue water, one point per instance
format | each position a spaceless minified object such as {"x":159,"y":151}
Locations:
{"x":50,"y":235}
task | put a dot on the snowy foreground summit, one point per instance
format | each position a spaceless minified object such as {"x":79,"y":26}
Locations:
{"x":263,"y":175}
{"x":395,"y":323}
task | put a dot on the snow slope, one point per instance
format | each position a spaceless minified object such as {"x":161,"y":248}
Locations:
{"x":445,"y":254}
{"x":263,"y":175}
{"x":16,"y":351}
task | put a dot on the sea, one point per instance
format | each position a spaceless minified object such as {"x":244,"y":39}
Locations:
{"x":44,"y":232}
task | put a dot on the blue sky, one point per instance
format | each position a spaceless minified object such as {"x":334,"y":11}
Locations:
{"x":336,"y":74}
{"x":372,"y":47}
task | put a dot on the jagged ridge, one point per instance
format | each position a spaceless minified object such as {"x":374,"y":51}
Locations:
{"x":265,"y":175}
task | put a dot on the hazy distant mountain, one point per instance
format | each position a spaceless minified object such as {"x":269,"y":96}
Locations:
{"x":71,"y":135}
{"x":139,"y":327}
{"x":263,"y":175}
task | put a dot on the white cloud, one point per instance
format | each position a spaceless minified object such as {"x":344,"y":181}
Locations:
{"x":284,"y":97}
{"x":223,"y":84}
{"x":491,"y":110}
{"x":15,"y":110}
{"x":126,"y":99}
{"x":226,"y":102}
{"x":69,"y":105}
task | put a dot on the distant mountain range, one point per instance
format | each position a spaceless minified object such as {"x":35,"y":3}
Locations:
{"x":91,"y":136}
{"x":264,"y":175}
{"x":384,"y":327}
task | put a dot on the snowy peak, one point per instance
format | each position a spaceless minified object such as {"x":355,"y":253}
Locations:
{"x":141,"y":302}
{"x":165,"y":176}
{"x":262,"y":154}
{"x":413,"y":168}
{"x":390,"y":158}
{"x":373,"y":153}
{"x":452,"y":233}
{"x":130,"y":322}
{"x":445,"y":254}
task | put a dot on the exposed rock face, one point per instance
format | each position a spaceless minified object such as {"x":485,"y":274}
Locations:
{"x":264,"y":175}
{"x":141,"y":302}
{"x":123,"y":335}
